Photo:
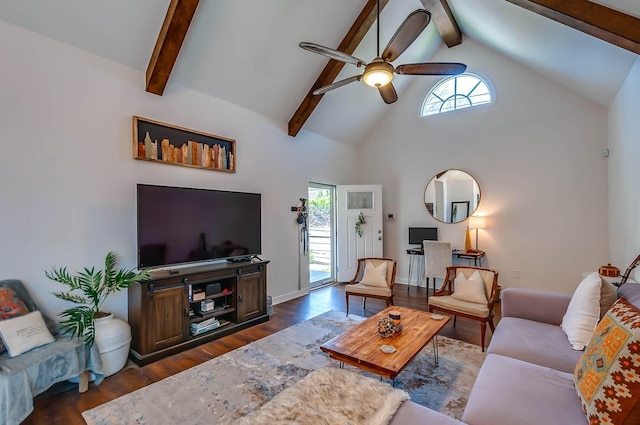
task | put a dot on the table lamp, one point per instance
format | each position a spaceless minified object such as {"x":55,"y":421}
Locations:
{"x":477,"y":222}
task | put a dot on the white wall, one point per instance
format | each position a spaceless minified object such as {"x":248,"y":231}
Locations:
{"x":67,"y":176}
{"x":624,"y":173}
{"x":537,"y":156}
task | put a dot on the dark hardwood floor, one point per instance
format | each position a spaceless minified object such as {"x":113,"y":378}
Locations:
{"x":65,"y":407}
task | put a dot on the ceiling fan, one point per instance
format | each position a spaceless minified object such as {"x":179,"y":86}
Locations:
{"x":379,"y":72}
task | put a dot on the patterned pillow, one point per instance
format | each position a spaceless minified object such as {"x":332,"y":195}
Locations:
{"x":11,"y":305}
{"x":607,"y":377}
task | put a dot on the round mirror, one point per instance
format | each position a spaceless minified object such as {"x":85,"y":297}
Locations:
{"x":451,"y":196}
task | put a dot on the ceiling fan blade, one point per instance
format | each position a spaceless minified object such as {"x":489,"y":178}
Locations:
{"x":323,"y":90}
{"x":431,"y":68}
{"x":331,"y":53}
{"x":406,"y":34}
{"x":388,"y":93}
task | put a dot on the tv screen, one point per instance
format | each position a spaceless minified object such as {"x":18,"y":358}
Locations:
{"x":419,"y":234}
{"x":180,"y":225}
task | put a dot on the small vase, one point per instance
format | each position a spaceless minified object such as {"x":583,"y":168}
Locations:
{"x":113,"y":337}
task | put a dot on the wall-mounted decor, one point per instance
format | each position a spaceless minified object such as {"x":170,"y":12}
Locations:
{"x":159,"y":142}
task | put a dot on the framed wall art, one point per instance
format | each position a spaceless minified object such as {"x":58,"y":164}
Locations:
{"x":169,"y":144}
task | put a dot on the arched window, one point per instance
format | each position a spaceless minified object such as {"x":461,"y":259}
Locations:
{"x":457,"y":92}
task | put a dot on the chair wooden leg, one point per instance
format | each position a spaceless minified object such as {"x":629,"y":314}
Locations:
{"x":390,"y":301}
{"x":346,"y":295}
{"x":483,"y":330}
{"x":492,"y":326}
{"x":455,"y":318}
{"x":364,"y":302}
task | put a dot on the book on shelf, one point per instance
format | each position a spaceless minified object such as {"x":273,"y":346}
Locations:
{"x":207,"y":325}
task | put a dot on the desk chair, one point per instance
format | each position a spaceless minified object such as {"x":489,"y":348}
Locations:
{"x":437,"y":257}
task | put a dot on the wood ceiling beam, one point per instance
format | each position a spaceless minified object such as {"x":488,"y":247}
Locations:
{"x":356,"y":33}
{"x":445,"y":22}
{"x":172,"y":34}
{"x":590,"y":18}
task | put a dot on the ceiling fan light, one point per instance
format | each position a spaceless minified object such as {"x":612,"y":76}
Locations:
{"x":378,"y":73}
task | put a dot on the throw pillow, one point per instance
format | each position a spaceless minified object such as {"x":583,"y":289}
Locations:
{"x":375,"y":275}
{"x":24,"y":333}
{"x":11,"y":305}
{"x":608,"y":296}
{"x":607,"y":377}
{"x":583,"y":312}
{"x":471,"y":290}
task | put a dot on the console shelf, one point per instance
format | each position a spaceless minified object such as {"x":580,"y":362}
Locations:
{"x":161,"y":309}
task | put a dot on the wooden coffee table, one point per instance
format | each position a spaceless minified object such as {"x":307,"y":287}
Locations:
{"x":360,"y":346}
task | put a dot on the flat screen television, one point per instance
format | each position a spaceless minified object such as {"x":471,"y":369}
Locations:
{"x":419,"y":234}
{"x":179,"y":225}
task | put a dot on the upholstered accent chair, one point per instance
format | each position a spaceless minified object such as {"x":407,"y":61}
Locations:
{"x":468,"y":292}
{"x":374,"y":279}
{"x":437,"y":257}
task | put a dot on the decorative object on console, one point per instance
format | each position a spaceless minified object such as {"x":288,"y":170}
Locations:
{"x":477,"y":222}
{"x":169,"y":144}
{"x":607,"y":377}
{"x":609,"y":271}
{"x":95,"y":287}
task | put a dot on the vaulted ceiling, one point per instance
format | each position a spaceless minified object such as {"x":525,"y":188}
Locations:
{"x":246,"y":51}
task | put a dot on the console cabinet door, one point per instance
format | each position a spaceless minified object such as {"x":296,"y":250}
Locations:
{"x":167,"y":321}
{"x":251,"y":301}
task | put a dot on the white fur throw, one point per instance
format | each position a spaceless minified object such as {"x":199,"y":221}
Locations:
{"x":331,"y":396}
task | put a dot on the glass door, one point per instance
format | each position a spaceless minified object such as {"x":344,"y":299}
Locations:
{"x":321,"y":234}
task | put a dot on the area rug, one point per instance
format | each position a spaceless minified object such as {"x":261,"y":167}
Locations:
{"x":330,"y":396}
{"x":235,"y":384}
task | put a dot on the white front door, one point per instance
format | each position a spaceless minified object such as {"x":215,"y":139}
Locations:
{"x":354,"y":200}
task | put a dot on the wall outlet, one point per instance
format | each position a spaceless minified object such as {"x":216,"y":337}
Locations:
{"x":516,"y":273}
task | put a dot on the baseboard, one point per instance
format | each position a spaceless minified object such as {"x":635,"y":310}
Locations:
{"x":290,"y":296}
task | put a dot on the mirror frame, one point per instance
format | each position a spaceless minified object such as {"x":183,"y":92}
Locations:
{"x":430,"y":205}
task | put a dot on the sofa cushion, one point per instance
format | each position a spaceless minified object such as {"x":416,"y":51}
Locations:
{"x":631,"y":291}
{"x":450,"y":303}
{"x":11,"y":305}
{"x":607,"y":377}
{"x":583,"y":312}
{"x":534,"y":342}
{"x":358,"y":288}
{"x":510,"y":391}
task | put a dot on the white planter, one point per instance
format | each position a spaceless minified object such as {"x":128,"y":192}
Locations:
{"x":113,"y":337}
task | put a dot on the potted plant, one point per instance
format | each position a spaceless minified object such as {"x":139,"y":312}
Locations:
{"x":89,"y":289}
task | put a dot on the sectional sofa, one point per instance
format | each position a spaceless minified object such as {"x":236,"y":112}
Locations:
{"x":527,"y":377}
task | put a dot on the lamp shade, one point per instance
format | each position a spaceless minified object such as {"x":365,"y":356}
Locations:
{"x":477,"y":222}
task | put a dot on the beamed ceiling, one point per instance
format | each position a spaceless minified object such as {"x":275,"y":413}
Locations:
{"x":245,"y":51}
